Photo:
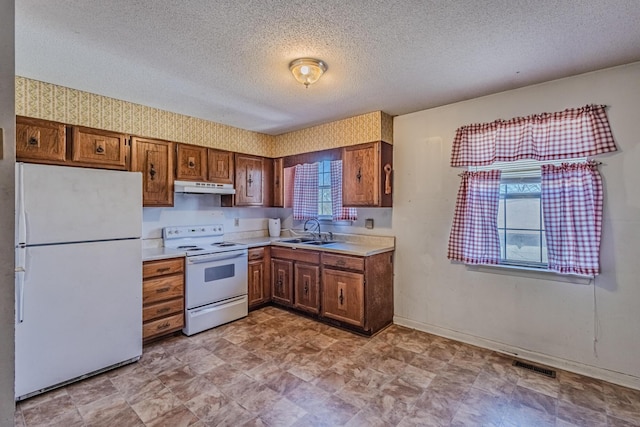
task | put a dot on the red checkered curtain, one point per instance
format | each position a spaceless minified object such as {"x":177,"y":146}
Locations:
{"x":338,"y":212}
{"x":572,"y":210}
{"x":305,"y":191}
{"x":575,"y":132}
{"x":474,"y":233}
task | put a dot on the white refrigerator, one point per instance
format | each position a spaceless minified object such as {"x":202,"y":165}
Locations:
{"x":78,"y":274}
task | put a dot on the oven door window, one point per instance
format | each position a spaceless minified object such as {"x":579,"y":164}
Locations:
{"x":219,"y":272}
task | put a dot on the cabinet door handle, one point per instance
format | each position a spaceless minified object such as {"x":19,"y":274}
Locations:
{"x":99,"y":148}
{"x":359,"y":174}
{"x":152,"y":172}
{"x":33,"y":141}
{"x":162,"y":290}
{"x":341,"y":297}
{"x":192,"y":163}
{"x":387,"y":179}
{"x":306,"y":286}
{"x":250,"y":181}
{"x":164,"y":326}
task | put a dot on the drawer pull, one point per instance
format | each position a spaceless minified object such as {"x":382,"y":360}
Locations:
{"x":162,"y":270}
{"x":163,"y":310}
{"x":164,"y":326}
{"x":161,"y":290}
{"x":341,"y":262}
{"x":33,"y":141}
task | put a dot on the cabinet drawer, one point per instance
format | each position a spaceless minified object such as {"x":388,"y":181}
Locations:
{"x":162,"y":267}
{"x":256,"y":253}
{"x":162,"y":288}
{"x":162,"y":326}
{"x":311,"y":257}
{"x":161,"y":309}
{"x":343,"y":261}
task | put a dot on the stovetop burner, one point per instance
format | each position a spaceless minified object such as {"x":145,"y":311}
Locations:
{"x":198,"y":240}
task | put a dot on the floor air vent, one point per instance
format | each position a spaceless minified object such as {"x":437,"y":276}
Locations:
{"x":546,"y":372}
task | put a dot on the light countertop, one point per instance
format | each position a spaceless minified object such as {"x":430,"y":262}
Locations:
{"x":345,"y":244}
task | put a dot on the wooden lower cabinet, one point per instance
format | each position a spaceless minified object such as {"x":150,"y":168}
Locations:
{"x":282,"y":281}
{"x":295,"y":278}
{"x":307,"y":287}
{"x":162,"y":297}
{"x":354,"y":292}
{"x":259,"y":286}
{"x":343,"y":296}
{"x":358,"y":291}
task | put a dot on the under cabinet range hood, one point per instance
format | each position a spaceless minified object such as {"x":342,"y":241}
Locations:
{"x":194,"y":187}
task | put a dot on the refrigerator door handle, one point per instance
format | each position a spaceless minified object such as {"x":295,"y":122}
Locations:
{"x":20,"y":294}
{"x":21,"y":211}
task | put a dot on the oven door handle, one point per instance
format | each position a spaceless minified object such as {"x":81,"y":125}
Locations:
{"x":220,"y":257}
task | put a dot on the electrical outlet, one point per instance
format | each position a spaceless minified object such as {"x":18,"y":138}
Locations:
{"x":368,"y":223}
{"x":236,"y":222}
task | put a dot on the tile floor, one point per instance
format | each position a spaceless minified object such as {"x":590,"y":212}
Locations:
{"x":275,"y":368}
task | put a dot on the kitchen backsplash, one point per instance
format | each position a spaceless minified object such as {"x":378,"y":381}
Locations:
{"x":190,"y":209}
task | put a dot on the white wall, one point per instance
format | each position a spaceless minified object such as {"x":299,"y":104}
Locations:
{"x":7,"y":121}
{"x":197,"y":209}
{"x":547,"y":320}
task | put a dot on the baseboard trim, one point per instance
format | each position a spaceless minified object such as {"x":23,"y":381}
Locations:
{"x":532,"y":356}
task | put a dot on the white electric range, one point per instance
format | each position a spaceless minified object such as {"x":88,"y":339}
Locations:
{"x":215,"y":275}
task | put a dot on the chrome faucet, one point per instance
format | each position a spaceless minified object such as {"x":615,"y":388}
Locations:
{"x":310,"y":229}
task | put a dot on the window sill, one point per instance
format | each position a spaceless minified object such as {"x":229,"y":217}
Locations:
{"x":530,"y":272}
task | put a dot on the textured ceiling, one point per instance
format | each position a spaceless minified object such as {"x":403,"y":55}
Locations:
{"x":227,"y":60}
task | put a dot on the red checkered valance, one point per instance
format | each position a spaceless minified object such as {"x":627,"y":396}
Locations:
{"x":574,"y":132}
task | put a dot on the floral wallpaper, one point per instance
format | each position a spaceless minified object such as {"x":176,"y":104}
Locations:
{"x":61,"y":104}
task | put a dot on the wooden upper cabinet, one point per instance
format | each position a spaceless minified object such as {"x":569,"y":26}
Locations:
{"x":220,"y":166}
{"x":366,"y":175}
{"x":155,"y":160}
{"x":249,"y":171}
{"x":191,"y":162}
{"x":278,"y":182}
{"x":99,"y":148}
{"x":40,"y":141}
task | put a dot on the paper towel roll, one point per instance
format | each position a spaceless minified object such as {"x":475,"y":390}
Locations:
{"x":274,"y":227}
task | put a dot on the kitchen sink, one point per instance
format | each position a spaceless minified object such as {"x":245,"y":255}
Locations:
{"x":298,"y":240}
{"x":320,"y":242}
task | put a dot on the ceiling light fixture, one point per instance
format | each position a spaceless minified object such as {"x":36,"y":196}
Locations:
{"x":307,"y":70}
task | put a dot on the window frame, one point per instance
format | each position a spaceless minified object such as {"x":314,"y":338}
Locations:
{"x":324,"y":175}
{"x":524,"y":169}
